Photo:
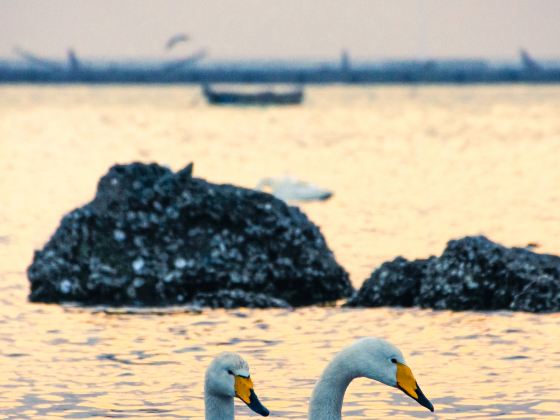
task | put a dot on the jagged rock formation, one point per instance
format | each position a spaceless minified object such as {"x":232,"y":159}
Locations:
{"x":154,"y":237}
{"x":473,"y":273}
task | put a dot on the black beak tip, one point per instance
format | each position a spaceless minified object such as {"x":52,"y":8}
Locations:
{"x":264,"y":411}
{"x":256,"y":405}
{"x":423,"y":401}
{"x":429,"y":406}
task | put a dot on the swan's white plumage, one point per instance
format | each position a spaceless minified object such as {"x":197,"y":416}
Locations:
{"x":371,"y":358}
{"x":225,"y":371}
{"x":219,"y":386}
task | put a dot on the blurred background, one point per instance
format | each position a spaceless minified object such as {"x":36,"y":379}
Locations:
{"x":425,"y":121}
{"x":289,"y":30}
{"x":315,"y":41}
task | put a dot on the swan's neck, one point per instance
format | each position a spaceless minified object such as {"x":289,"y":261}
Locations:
{"x":218,"y":407}
{"x":326,"y":401}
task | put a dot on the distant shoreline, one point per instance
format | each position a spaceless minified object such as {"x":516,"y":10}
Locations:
{"x":291,"y":76}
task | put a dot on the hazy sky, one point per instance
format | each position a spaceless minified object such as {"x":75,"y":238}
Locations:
{"x":284,"y":28}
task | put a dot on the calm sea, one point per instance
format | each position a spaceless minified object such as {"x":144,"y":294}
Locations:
{"x":410,"y":167}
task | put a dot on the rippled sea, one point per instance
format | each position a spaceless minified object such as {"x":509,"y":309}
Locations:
{"x":410,"y":167}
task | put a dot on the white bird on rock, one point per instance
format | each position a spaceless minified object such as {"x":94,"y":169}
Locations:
{"x":292,"y":189}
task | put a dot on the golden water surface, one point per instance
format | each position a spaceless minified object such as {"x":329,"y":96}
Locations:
{"x":410,"y":169}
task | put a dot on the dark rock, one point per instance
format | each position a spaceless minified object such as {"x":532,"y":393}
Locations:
{"x":154,"y":237}
{"x":395,"y":283}
{"x":237,"y":298}
{"x":541,"y":295}
{"x":473,"y":273}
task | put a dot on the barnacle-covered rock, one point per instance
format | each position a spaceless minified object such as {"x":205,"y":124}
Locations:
{"x":473,"y":273}
{"x":154,"y":237}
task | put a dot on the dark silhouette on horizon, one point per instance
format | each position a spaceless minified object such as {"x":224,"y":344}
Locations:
{"x":191,"y":69}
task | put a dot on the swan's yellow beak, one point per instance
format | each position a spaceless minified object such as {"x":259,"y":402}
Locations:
{"x":244,"y":391}
{"x":407,"y":384}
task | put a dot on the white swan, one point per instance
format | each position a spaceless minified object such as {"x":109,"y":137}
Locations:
{"x":228,"y":377}
{"x":372,"y":358}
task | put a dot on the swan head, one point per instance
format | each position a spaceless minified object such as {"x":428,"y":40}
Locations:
{"x":228,"y":377}
{"x":381,"y":361}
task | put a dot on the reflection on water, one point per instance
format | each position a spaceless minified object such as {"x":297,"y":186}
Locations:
{"x":410,"y":169}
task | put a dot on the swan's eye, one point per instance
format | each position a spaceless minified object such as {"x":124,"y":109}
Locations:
{"x":393,"y":360}
{"x":230,"y":372}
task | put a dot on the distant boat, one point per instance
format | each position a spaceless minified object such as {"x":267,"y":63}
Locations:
{"x":260,"y":97}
